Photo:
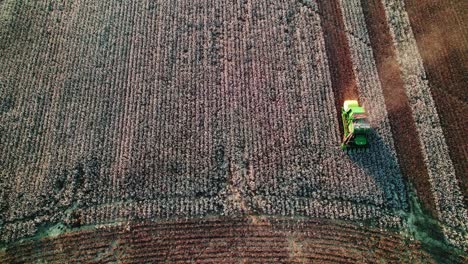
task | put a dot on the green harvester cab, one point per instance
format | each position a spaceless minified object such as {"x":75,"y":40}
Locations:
{"x":355,"y":124}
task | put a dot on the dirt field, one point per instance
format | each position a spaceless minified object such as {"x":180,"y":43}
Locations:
{"x":147,"y":112}
{"x":257,"y":239}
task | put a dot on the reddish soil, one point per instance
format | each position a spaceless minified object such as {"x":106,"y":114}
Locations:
{"x":338,"y":53}
{"x":222,"y":240}
{"x":401,"y":120}
{"x":441,"y":36}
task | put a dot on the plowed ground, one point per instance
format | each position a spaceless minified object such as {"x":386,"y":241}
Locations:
{"x":223,"y":240}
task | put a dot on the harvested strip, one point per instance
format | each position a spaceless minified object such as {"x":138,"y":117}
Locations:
{"x":382,"y":147}
{"x":449,"y":204}
{"x":406,"y":139}
{"x":339,"y":58}
{"x":441,"y":39}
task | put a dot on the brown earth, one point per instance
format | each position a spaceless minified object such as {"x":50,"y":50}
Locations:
{"x":441,"y":35}
{"x":223,"y":240}
{"x":403,"y":126}
{"x":338,"y":53}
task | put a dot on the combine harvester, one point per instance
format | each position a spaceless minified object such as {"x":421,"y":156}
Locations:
{"x":355,"y":124}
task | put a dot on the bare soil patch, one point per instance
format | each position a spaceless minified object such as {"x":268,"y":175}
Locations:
{"x":339,"y":57}
{"x":223,"y":240}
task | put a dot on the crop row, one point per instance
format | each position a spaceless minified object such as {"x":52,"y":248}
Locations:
{"x":163,"y":109}
{"x":191,"y":207}
{"x":449,"y":204}
{"x":441,"y":46}
{"x":371,"y":95}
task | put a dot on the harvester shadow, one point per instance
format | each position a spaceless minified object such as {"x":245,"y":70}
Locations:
{"x":380,"y":162}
